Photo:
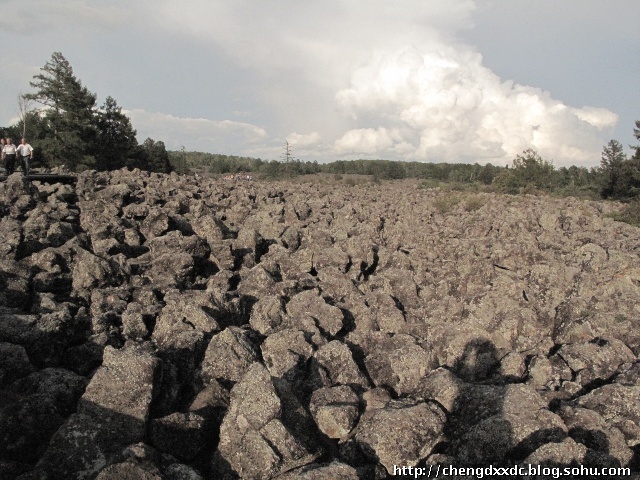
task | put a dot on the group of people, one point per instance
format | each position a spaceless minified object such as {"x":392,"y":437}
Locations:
{"x":238,"y":176}
{"x":10,"y":152}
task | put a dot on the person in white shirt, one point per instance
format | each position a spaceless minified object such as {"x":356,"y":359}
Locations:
{"x":26,"y":153}
{"x":9,"y":152}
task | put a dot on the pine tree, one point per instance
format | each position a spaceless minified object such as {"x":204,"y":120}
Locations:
{"x":116,"y":144}
{"x":156,"y":158}
{"x":613,"y":166}
{"x":68,"y":108}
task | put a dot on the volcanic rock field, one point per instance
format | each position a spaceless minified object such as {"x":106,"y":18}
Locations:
{"x":173,"y":327}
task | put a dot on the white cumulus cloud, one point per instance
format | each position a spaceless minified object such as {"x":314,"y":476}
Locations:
{"x":447,"y":106}
{"x":373,"y":79}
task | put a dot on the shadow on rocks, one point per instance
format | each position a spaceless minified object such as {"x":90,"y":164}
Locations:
{"x":479,"y":399}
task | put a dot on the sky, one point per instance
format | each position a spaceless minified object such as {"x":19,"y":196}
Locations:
{"x":416,"y":80}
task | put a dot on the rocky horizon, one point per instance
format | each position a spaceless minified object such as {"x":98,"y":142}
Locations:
{"x":173,"y":327}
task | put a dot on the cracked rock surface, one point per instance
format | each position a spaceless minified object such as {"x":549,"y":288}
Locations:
{"x":172,"y":327}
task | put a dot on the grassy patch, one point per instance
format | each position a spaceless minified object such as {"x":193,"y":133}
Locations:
{"x":474,"y":202}
{"x":447,"y":203}
{"x":630,"y":214}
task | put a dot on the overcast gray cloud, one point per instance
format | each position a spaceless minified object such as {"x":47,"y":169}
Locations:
{"x":337,"y":79}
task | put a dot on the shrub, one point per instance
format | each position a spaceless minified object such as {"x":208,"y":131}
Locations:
{"x":630,"y":213}
{"x":429,"y":183}
{"x":473,"y":203}
{"x":445,"y":204}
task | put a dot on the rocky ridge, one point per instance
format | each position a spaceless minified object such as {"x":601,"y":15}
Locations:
{"x":167,"y":327}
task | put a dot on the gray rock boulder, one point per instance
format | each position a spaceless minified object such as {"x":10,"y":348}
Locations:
{"x":335,"y":410}
{"x":421,"y":424}
{"x":255,"y":424}
{"x":228,"y":356}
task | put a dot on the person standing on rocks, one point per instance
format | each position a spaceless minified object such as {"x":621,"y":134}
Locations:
{"x":26,"y":153}
{"x":9,"y":153}
{"x":2,"y":151}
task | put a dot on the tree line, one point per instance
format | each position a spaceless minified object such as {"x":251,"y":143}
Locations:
{"x":66,"y":127}
{"x":617,"y":177}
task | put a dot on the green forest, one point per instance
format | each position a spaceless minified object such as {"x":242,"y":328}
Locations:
{"x":63,"y":122}
{"x":60,"y":118}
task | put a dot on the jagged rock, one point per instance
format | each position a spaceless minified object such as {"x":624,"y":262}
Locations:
{"x":229,"y":354}
{"x":59,"y":233}
{"x":595,"y":360}
{"x":567,"y":452}
{"x":179,"y":434}
{"x":107,"y":306}
{"x":10,"y":233}
{"x":112,"y":413}
{"x":26,"y":425}
{"x":591,"y":430}
{"x":628,"y":374}
{"x":376,"y":398}
{"x":136,"y":321}
{"x":618,"y":405}
{"x":332,"y":471}
{"x":178,"y":471}
{"x":90,"y":271}
{"x":171,"y":270}
{"x":336,"y":366}
{"x":155,"y":224}
{"x":254,"y":424}
{"x":43,"y":336}
{"x":256,"y":282}
{"x":513,"y":367}
{"x":318,"y":302}
{"x":51,"y":270}
{"x":285,"y":353}
{"x":290,"y":238}
{"x":335,"y":410}
{"x":446,"y":388}
{"x":327,"y":318}
{"x":76,"y":447}
{"x":142,"y":461}
{"x":388,"y":316}
{"x":14,"y":284}
{"x":83,"y":359}
{"x":184,"y":312}
{"x":63,"y":387}
{"x":211,"y":403}
{"x":548,"y":373}
{"x":398,"y":362}
{"x":128,"y":469}
{"x":519,"y":425}
{"x":266,"y":314}
{"x":421,"y":424}
{"x":121,"y":391}
{"x":14,"y":363}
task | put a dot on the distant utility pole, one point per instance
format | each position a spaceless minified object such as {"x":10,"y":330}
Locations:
{"x":287,"y":155}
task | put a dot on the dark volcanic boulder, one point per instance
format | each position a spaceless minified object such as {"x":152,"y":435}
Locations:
{"x":14,"y":363}
{"x":26,"y":426}
{"x":182,"y":435}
